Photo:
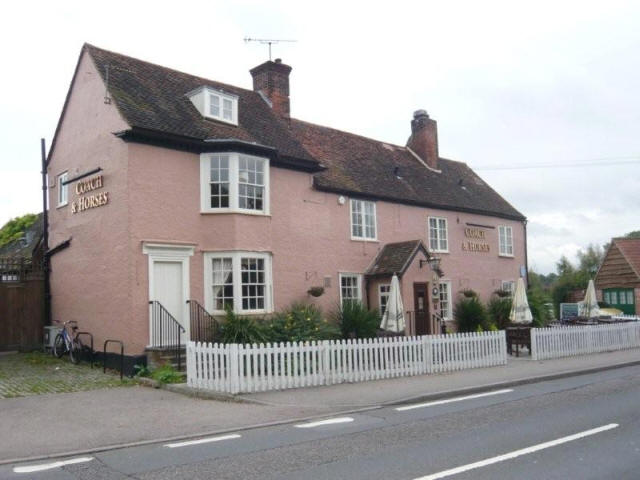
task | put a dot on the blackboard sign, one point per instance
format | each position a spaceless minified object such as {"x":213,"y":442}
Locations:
{"x":568,"y":310}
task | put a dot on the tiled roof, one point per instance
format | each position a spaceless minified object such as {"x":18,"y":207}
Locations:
{"x":630,"y":248}
{"x":380,"y":170}
{"x":155,"y":98}
{"x":395,"y":258}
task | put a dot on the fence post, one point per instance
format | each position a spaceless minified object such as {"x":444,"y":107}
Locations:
{"x":534,"y":344}
{"x":234,"y":362}
{"x":326,"y":367}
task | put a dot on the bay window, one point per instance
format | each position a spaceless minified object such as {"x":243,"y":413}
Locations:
{"x":240,"y":281}
{"x":234,"y":182}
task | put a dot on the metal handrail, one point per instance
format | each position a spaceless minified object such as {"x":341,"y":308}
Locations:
{"x":203,"y":327}
{"x":166,"y":331}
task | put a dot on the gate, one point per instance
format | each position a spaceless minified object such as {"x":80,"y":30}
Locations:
{"x":21,"y":304}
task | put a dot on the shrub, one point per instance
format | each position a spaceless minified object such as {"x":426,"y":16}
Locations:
{"x":167,"y":374}
{"x":470,"y":314}
{"x":241,"y":329}
{"x":300,"y":323}
{"x":499,"y":309}
{"x":356,"y":321}
{"x":539,"y":311}
{"x":469,"y":293}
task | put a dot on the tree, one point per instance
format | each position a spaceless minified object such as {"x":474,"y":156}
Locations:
{"x":589,"y":260}
{"x":634,"y":234}
{"x":14,"y":229}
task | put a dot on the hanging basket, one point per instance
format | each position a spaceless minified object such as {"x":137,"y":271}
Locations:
{"x":315,"y":291}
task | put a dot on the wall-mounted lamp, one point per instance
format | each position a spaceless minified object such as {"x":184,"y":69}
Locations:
{"x":434,"y":263}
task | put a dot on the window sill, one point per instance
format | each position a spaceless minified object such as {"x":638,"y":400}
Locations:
{"x":439,"y":251}
{"x":504,"y":255}
{"x":62,"y":205}
{"x":359,"y":239}
{"x":222,"y":313}
{"x":227,"y":211}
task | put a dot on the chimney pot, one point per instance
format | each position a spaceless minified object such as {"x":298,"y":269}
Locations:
{"x":278,"y":60}
{"x":424,"y":138}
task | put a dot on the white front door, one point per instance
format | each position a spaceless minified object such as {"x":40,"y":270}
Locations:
{"x":168,"y":285}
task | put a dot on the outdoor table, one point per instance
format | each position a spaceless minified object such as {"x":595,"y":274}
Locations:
{"x":520,"y":337}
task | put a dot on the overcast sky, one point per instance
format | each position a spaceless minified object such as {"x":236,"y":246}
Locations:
{"x":511,"y":84}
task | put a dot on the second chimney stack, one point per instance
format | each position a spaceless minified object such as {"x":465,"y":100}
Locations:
{"x":424,"y":138}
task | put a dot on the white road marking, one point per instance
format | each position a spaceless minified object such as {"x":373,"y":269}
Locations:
{"x":329,"y":421}
{"x":202,"y":440}
{"x":48,"y":466}
{"x":451,"y":400}
{"x":517,"y":453}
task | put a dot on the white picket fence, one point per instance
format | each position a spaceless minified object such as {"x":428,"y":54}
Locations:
{"x":237,"y":368}
{"x":567,"y":341}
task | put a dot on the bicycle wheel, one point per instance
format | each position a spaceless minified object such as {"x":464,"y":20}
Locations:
{"x":76,"y":350}
{"x":59,"y":348}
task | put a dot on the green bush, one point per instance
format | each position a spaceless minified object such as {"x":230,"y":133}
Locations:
{"x":470,"y":314}
{"x":167,"y":374}
{"x":300,"y":323}
{"x":242,"y":329}
{"x":499,"y":309}
{"x":539,"y":311}
{"x":356,"y":321}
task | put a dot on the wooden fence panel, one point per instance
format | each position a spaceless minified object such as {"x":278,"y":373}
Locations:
{"x":21,"y":314}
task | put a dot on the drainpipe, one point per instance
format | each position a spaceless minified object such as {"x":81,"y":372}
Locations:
{"x":526,"y":255}
{"x":45,"y":236}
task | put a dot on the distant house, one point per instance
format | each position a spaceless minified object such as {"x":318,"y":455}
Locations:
{"x":618,"y":279}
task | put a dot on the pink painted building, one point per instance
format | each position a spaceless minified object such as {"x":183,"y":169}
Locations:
{"x":205,"y":192}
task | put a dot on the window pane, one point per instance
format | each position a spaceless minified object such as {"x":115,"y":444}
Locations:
{"x":445,"y":295}
{"x":250,"y":183}
{"x":219,"y":181}
{"x":222,"y":283}
{"x":227,"y":109}
{"x":253,"y":283}
{"x":214,"y":105}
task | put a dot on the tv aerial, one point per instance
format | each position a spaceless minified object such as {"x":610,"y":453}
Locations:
{"x":268,"y":41}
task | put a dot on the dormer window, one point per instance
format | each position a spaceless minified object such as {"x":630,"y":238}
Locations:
{"x":222,"y":106}
{"x":216,"y":104}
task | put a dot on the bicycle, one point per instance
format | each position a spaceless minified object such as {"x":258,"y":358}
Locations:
{"x":66,"y":342}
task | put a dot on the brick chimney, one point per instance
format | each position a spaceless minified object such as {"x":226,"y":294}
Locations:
{"x":424,"y":138}
{"x":272,"y":79}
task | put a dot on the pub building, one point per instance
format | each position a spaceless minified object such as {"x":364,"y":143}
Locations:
{"x":182,"y":191}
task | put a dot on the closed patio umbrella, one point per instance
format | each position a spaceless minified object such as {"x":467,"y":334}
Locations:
{"x":393,"y":316}
{"x":520,"y":312}
{"x":589,"y":305}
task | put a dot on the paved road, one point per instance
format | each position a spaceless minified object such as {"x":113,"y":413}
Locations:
{"x":581,"y":427}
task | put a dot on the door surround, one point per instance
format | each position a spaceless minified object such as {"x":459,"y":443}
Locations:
{"x":158,"y":252}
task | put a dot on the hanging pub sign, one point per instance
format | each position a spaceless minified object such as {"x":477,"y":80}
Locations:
{"x":86,"y":199}
{"x":477,"y":241}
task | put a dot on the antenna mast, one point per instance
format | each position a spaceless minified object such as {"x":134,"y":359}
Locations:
{"x":268,"y":41}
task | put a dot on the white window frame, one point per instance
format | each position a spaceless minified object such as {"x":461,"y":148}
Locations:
{"x":236,"y":259}
{"x":234,"y":181}
{"x":512,"y":286}
{"x":381,"y":294}
{"x":364,"y":236}
{"x":503,"y":249}
{"x":63,"y":190}
{"x":341,"y":275}
{"x":447,"y":283}
{"x":438,"y":238}
{"x":208,"y":93}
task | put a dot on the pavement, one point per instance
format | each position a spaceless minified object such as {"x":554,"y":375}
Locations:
{"x":53,"y":425}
